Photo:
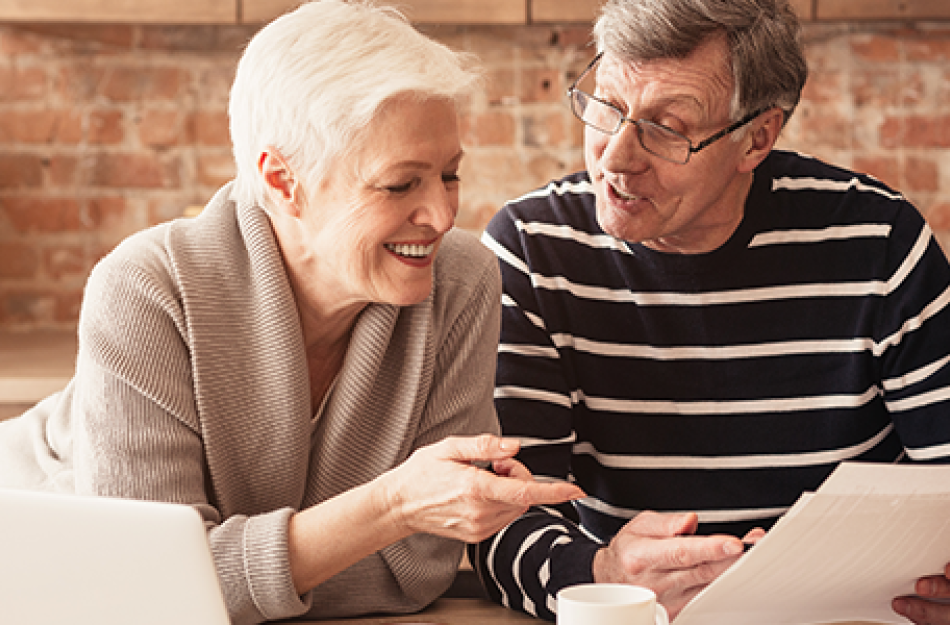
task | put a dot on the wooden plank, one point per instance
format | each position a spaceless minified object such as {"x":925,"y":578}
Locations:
{"x":882,"y":9}
{"x":419,"y":11}
{"x":805,"y":9}
{"x":122,"y":11}
{"x":554,"y":11}
{"x":560,"y":11}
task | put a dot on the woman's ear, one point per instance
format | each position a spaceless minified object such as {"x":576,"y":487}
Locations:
{"x":761,"y":138}
{"x":280,"y":180}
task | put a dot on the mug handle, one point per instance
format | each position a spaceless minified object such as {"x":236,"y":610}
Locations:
{"x":662,"y":618}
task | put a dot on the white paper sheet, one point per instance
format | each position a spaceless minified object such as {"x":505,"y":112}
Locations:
{"x":840,"y":554}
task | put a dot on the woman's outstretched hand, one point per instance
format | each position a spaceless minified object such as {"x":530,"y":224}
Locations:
{"x":442,"y":490}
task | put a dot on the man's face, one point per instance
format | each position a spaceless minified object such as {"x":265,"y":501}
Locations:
{"x":689,"y":208}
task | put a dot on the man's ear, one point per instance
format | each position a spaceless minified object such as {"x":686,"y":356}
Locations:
{"x":761,"y":138}
{"x":280,"y":179}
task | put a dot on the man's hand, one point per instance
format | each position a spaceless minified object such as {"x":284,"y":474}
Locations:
{"x":657,"y":551}
{"x":921,"y":609}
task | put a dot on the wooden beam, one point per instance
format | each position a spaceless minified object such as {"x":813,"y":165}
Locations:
{"x":554,"y":11}
{"x":585,"y":11}
{"x":419,"y":11}
{"x":123,"y":11}
{"x":882,"y":9}
{"x":805,"y":9}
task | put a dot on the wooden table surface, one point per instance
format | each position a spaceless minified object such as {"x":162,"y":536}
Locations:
{"x":457,"y":612}
{"x":446,"y":612}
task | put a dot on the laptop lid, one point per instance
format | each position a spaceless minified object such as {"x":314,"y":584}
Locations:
{"x":103,"y":561}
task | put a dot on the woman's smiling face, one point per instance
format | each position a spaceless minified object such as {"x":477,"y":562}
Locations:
{"x":374,"y":225}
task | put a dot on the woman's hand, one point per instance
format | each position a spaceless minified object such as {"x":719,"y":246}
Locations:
{"x":441,"y":490}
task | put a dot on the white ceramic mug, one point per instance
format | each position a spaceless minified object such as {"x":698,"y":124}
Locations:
{"x":609,"y":604}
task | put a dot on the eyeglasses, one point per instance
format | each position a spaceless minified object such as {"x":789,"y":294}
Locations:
{"x":655,"y":139}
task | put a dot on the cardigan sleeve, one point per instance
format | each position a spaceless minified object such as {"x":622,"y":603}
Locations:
{"x":136,"y":432}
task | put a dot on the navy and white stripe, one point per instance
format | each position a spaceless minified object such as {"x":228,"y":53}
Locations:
{"x":724,"y":383}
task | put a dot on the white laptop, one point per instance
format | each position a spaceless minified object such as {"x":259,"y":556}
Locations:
{"x":71,"y":560}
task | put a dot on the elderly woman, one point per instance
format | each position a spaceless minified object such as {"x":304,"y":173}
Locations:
{"x":291,"y":362}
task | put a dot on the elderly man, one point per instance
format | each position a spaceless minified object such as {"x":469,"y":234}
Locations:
{"x":700,"y":327}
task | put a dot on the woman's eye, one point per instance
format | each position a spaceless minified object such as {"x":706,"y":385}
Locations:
{"x":451,"y":178}
{"x":401,"y":188}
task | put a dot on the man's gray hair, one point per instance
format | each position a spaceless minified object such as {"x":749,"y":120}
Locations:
{"x":310,"y":83}
{"x":767,"y":59}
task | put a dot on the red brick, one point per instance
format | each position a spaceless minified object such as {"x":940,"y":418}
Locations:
{"x":65,"y":260}
{"x":26,"y":307}
{"x":876,"y":48}
{"x":921,"y":174}
{"x":572,"y":37}
{"x":107,"y":213}
{"x":884,"y":168}
{"x":938,"y":216}
{"x":494,"y":127}
{"x":916,"y":131}
{"x":133,"y":170}
{"x":68,"y":303}
{"x":15,"y":41}
{"x":27,"y":126}
{"x":215,"y":169}
{"x":542,"y":85}
{"x":45,"y":214}
{"x":62,"y":170}
{"x":106,"y":127}
{"x":549,"y":128}
{"x":20,"y":171}
{"x":131,"y":84}
{"x":476,"y":218}
{"x":929,"y":50}
{"x":164,"y":128}
{"x":85,"y":38}
{"x":500,"y":86}
{"x":79,"y":82}
{"x":824,"y":86}
{"x":21,"y":84}
{"x":211,"y":128}
{"x":18,"y":260}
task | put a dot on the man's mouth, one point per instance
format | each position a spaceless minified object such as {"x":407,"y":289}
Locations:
{"x":623,"y":195}
{"x":410,"y":250}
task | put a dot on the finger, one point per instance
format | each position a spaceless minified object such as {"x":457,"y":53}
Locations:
{"x":754,"y":536}
{"x":921,"y":610}
{"x":522,"y":493}
{"x":482,"y":448}
{"x":509,"y":467}
{"x":934,"y":587}
{"x":666,"y":525}
{"x":693,"y":552}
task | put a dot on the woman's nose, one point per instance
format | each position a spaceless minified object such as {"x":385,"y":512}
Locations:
{"x":438,"y":209}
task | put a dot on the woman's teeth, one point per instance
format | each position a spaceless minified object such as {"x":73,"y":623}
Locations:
{"x":411,"y":251}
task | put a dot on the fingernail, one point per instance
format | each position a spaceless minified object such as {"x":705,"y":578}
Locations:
{"x":508,"y":443}
{"x":899,"y":606}
{"x":733,"y":548}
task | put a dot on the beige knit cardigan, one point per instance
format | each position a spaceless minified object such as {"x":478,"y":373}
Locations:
{"x":191,"y":386}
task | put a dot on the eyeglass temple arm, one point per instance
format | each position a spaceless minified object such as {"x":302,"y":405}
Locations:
{"x":584,"y":73}
{"x":730,"y":128}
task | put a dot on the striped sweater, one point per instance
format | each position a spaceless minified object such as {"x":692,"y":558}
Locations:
{"x":725,"y":383}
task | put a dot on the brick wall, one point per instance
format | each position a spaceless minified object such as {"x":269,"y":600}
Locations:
{"x":105,"y":130}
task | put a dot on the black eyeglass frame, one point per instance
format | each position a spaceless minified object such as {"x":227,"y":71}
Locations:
{"x":637,"y":122}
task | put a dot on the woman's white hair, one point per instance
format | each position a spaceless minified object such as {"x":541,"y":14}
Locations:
{"x":310,"y":82}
